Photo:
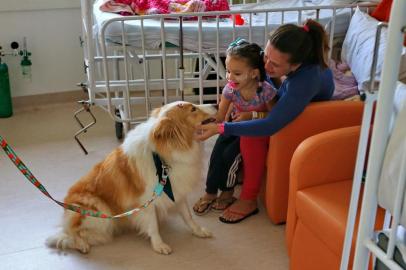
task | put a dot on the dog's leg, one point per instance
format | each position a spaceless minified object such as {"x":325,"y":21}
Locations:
{"x":150,"y":226}
{"x":187,"y":218}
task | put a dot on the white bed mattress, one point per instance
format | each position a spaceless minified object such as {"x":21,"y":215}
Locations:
{"x":152,"y":27}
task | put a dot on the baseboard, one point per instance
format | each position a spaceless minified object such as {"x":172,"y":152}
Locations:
{"x":46,"y":99}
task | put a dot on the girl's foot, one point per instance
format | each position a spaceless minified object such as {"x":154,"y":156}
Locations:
{"x":239,"y":211}
{"x":203,"y":205}
{"x":223,"y":201}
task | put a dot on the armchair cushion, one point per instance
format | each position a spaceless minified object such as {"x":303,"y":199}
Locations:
{"x":323,"y":210}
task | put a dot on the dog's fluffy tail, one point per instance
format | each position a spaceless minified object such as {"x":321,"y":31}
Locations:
{"x":83,"y":236}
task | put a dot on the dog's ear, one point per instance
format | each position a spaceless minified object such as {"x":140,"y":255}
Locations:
{"x":168,"y":133}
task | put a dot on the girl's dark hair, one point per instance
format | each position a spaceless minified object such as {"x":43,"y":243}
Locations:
{"x":251,"y":53}
{"x":304,"y":44}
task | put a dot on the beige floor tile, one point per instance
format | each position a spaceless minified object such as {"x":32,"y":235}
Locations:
{"x":43,"y":138}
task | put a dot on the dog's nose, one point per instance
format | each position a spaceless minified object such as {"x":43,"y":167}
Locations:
{"x":216,"y":106}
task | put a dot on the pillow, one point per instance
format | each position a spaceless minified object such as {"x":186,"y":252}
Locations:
{"x":399,"y":99}
{"x":382,"y":11}
{"x":358,"y":48}
{"x":392,"y":167}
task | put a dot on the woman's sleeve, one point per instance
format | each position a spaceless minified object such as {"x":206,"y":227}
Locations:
{"x":288,"y":107}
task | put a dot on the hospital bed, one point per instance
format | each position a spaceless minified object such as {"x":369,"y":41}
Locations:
{"x":136,"y":63}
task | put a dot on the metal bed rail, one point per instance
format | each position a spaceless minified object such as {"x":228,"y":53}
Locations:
{"x":121,"y":75}
{"x":369,"y":97}
{"x":366,"y":242}
{"x":208,"y":63}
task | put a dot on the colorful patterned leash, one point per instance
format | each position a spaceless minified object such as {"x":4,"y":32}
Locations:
{"x":84,"y":212}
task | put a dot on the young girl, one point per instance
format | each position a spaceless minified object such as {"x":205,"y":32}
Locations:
{"x":245,"y":94}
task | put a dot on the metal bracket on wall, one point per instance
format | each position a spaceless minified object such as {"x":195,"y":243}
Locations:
{"x":83,"y":128}
{"x":83,"y":85}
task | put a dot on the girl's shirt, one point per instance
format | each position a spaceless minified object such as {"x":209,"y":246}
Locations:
{"x":308,"y":83}
{"x":258,"y":103}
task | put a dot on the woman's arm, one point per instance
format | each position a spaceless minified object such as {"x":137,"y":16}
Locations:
{"x":297,"y":96}
{"x":284,"y":111}
{"x":297,"y":93}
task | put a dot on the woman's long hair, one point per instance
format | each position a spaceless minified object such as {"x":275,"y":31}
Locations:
{"x":304,"y":44}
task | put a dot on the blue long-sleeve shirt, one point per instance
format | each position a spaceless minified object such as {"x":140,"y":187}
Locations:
{"x":308,"y":83}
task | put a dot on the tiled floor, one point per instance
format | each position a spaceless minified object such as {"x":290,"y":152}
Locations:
{"x":43,"y":138}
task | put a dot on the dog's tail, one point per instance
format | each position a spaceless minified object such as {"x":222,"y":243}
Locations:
{"x":81,"y":233}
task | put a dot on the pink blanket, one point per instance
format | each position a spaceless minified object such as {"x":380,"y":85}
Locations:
{"x":147,"y":7}
{"x":345,"y":84}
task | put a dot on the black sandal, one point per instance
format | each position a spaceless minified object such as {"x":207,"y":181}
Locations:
{"x":241,"y":216}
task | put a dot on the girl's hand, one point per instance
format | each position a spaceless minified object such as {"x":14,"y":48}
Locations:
{"x":204,"y":132}
{"x":242,"y":116}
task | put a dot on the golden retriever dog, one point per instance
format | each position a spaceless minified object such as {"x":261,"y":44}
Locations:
{"x":126,"y":179}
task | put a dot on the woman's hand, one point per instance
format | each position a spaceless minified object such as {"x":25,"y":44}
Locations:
{"x":242,"y":116}
{"x":206,"y":131}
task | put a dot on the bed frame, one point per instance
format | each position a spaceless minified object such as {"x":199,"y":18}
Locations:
{"x":128,"y":82}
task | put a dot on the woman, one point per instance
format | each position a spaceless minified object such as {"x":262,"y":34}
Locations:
{"x":296,"y":61}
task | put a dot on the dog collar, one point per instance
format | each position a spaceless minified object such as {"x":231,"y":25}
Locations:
{"x":163,"y":178}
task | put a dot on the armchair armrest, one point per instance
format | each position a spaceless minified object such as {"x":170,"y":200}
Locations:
{"x":324,"y":158}
{"x":321,"y":159}
{"x":316,"y":118}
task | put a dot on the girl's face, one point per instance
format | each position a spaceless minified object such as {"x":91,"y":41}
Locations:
{"x":239,"y":73}
{"x":276,"y":62}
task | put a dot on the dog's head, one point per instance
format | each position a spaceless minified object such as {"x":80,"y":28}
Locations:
{"x":175,"y":124}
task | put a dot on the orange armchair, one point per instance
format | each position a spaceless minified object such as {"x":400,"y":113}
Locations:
{"x":321,"y":174}
{"x":316,"y":118}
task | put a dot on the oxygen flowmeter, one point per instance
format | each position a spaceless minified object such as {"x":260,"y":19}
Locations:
{"x":6,"y":108}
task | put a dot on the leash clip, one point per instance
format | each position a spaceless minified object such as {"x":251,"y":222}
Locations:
{"x":165,"y":174}
{"x":159,"y":188}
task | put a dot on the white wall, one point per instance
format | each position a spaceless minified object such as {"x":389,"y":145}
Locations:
{"x":52,"y":32}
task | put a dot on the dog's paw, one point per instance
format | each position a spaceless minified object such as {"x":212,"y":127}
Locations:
{"x":63,"y":241}
{"x":202,"y":232}
{"x":162,"y":248}
{"x":83,"y":247}
{"x":77,"y":243}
